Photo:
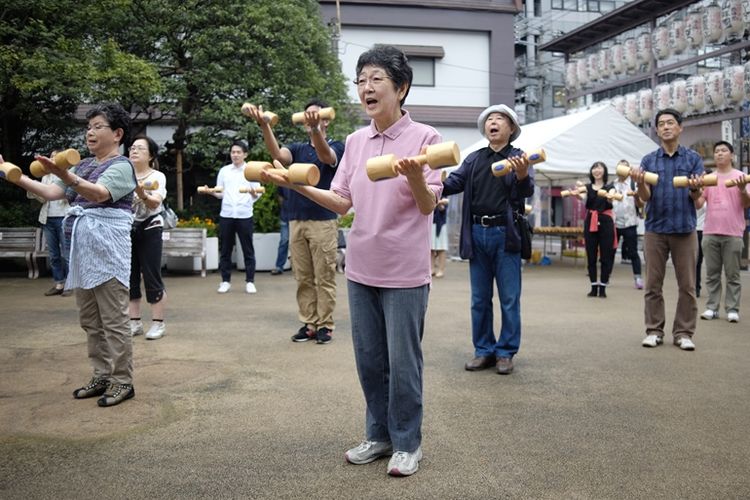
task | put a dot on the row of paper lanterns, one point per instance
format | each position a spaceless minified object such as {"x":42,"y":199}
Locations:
{"x":699,"y":28}
{"x":698,"y":94}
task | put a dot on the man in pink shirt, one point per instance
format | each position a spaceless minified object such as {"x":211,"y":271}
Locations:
{"x":722,"y":234}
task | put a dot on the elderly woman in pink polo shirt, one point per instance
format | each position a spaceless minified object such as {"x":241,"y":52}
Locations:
{"x":387,"y":260}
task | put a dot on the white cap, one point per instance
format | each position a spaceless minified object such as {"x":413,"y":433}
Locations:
{"x":500,"y":108}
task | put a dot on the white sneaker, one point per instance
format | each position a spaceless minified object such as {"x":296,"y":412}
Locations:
{"x":709,"y":314}
{"x":685,"y":344}
{"x":250,"y":287}
{"x":136,"y":327}
{"x":157,"y":330}
{"x":224,"y":287}
{"x":733,"y":317}
{"x":368,"y":451}
{"x":403,"y":463}
{"x":652,"y":341}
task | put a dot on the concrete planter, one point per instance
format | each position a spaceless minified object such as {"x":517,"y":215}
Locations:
{"x":266,"y":247}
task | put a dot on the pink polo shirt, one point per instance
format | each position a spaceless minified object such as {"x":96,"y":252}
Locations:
{"x":725,"y":214}
{"x":389,"y":243}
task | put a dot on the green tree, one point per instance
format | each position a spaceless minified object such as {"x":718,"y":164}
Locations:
{"x":214,"y":55}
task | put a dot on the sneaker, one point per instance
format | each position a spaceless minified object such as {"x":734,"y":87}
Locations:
{"x":116,"y":394}
{"x":709,"y":314}
{"x":639,"y":284}
{"x":323,"y":336}
{"x":277,"y":271}
{"x":136,"y":327}
{"x":66,"y":293}
{"x":250,"y":287}
{"x":224,"y":287}
{"x":733,"y":317}
{"x":303,"y":335}
{"x":157,"y":330}
{"x":403,"y":463}
{"x":55,"y":290}
{"x":685,"y":344}
{"x":95,"y":387}
{"x":652,"y":341}
{"x":368,"y":451}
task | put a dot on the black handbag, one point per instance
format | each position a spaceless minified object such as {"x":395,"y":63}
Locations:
{"x":526,"y":232}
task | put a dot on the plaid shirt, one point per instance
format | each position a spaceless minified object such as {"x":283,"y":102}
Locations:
{"x":671,"y":210}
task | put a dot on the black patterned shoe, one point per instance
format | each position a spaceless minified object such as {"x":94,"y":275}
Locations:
{"x":116,"y":394}
{"x":95,"y":387}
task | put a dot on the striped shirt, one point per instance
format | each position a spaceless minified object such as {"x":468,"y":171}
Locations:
{"x":671,"y":210}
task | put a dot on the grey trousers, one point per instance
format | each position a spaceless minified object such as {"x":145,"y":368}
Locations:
{"x":723,"y":251}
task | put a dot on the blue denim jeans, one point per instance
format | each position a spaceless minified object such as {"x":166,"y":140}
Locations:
{"x":387,"y":328}
{"x":58,"y":258}
{"x":283,"y":252}
{"x":491,"y":261}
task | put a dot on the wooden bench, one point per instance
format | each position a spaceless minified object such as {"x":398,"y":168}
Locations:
{"x":186,"y":242}
{"x":21,"y":242}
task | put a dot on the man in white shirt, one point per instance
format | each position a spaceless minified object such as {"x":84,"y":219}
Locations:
{"x":236,"y":217}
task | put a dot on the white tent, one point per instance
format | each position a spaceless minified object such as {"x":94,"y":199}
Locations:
{"x":573,"y":142}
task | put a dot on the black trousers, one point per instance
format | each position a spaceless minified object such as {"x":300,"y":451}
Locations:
{"x":600,"y":244}
{"x":146,"y":259}
{"x":229,"y":229}
{"x":629,"y":236}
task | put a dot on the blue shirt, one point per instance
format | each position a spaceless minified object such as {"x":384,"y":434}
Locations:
{"x":300,"y":207}
{"x":671,"y":210}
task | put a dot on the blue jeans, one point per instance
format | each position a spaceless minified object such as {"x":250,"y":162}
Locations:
{"x":491,"y":261}
{"x":58,"y":258}
{"x":281,"y":256}
{"x":387,"y":328}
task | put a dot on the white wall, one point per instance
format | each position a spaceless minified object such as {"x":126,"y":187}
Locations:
{"x":461,"y":77}
{"x":464,"y":136}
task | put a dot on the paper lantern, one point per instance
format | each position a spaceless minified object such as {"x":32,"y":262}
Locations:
{"x":715,"y":90}
{"x":747,"y":79}
{"x":677,"y":37}
{"x":732,"y":20}
{"x":643,"y":43}
{"x":583,"y":72}
{"x":631,"y":107}
{"x":618,"y":54}
{"x":662,"y":97}
{"x":605,"y":63}
{"x":694,"y":29}
{"x":678,"y":95}
{"x":571,"y":75}
{"x":631,"y":53}
{"x":646,"y":104}
{"x":734,"y":84}
{"x":660,"y":42}
{"x":746,"y":14}
{"x":592,"y":63}
{"x":712,"y":29}
{"x":618,"y":102}
{"x":695,"y":89}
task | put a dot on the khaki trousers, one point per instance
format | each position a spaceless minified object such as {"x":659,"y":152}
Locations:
{"x":103,"y":312}
{"x":313,"y":245}
{"x":723,"y":251}
{"x":683,"y":248}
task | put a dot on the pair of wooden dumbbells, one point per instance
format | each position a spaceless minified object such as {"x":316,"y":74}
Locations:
{"x":219,"y":189}
{"x":297,"y":118}
{"x":680,"y":181}
{"x":63,"y":159}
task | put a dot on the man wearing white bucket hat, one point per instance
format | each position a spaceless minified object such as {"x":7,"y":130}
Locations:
{"x":490,"y":238}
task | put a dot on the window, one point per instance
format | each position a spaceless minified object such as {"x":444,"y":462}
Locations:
{"x":424,"y":71}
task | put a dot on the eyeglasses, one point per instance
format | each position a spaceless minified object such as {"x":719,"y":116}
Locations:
{"x":375,"y":81}
{"x":138,"y":148}
{"x":97,"y":127}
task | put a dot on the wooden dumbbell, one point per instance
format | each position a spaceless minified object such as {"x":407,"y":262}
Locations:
{"x":251,"y":190}
{"x":10,"y":172}
{"x":682,"y":181}
{"x":632,"y":193}
{"x":527,"y":209}
{"x":301,"y":174}
{"x":325,"y":114}
{"x":441,"y":155}
{"x":502,"y":167}
{"x":649,"y":178}
{"x":734,"y":182}
{"x":63,"y":159}
{"x":206,"y":189}
{"x":573,"y":192}
{"x":150,"y":185}
{"x":603,"y":193}
{"x":268,"y":117}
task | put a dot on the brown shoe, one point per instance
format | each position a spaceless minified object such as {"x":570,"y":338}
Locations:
{"x":53,"y":291}
{"x":480,"y":363}
{"x":504,"y":366}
